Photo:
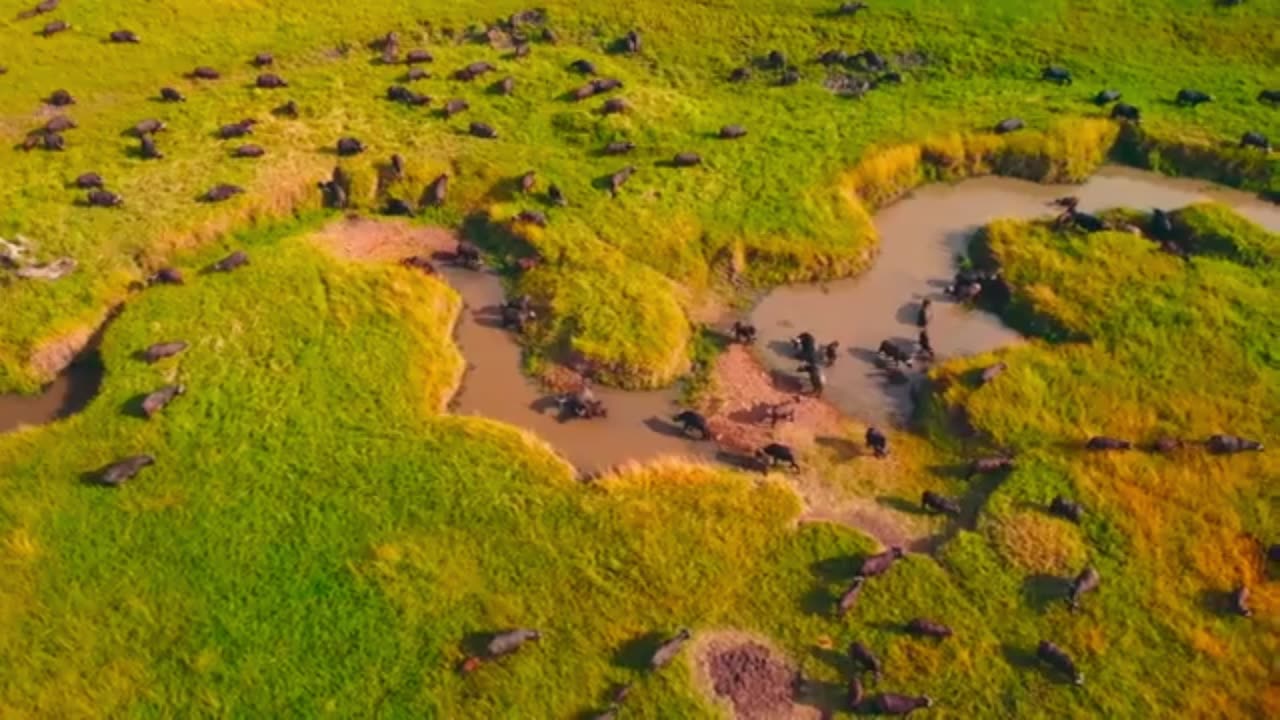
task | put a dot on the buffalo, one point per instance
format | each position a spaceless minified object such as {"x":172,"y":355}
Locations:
{"x":605,"y":84}
{"x":436,"y":192}
{"x":924,"y":313}
{"x":533,"y":217}
{"x":1055,"y":74}
{"x":926,"y":345}
{"x":1230,"y":444}
{"x":205,"y":73}
{"x":160,"y":351}
{"x":1009,"y":125}
{"x":147,"y":149}
{"x":1066,"y":509}
{"x":418,"y":55}
{"x":270,"y":81}
{"x":630,"y":43}
{"x":1102,"y":442}
{"x":104,"y":198}
{"x":1125,"y":111}
{"x":877,"y":441}
{"x":419,"y":262}
{"x":895,"y":704}
{"x":400,"y":93}
{"x":1239,"y":600}
{"x":1191,"y":98}
{"x":396,"y":206}
{"x":1161,"y":224}
{"x":149,"y":126}
{"x":993,"y":372}
{"x":614,"y":106}
{"x":349,"y":146}
{"x":517,"y":313}
{"x":221,"y":193}
{"x":234,"y":261}
{"x":805,"y":346}
{"x":732,"y":132}
{"x":928,"y":628}
{"x":89,"y":181}
{"x":482,"y":130}
{"x":791,"y":76}
{"x":775,"y":454}
{"x":744,"y":333}
{"x":55,"y":27}
{"x":1269,"y":96}
{"x":238,"y":129}
{"x":416,"y":73}
{"x":556,"y":196}
{"x":780,"y":412}
{"x":168,"y":94}
{"x":851,"y":8}
{"x":158,"y":400}
{"x":1056,"y":658}
{"x":618,"y":179}
{"x":620,"y":147}
{"x":899,"y":356}
{"x":1166,"y":445}
{"x":509,"y":642}
{"x":473,"y":71}
{"x":287,"y":110}
{"x":166,"y":276}
{"x":740,"y":74}
{"x":849,"y":597}
{"x":686,"y":159}
{"x":249,"y":151}
{"x":583,"y":66}
{"x":864,"y":660}
{"x":692,"y":423}
{"x":938,"y":503}
{"x":60,"y":98}
{"x":41,"y":8}
{"x":468,"y":255}
{"x":1086,"y":582}
{"x":817,"y":380}
{"x":1084,"y":221}
{"x":337,"y":190}
{"x":505,"y":86}
{"x":668,"y":650}
{"x":1255,"y":139}
{"x":527,"y":182}
{"x":830,"y":352}
{"x":582,"y":404}
{"x":117,"y":473}
{"x":455,"y":106}
{"x":854,"y":695}
{"x":879,"y":563}
{"x":988,"y":466}
{"x":263,"y":60}
{"x":1106,"y":96}
{"x":124,"y":36}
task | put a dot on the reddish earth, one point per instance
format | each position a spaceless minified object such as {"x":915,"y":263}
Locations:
{"x":357,"y":238}
{"x":754,"y":680}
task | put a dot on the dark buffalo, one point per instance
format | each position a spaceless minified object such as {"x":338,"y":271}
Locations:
{"x":694,"y":424}
{"x":60,"y":98}
{"x":775,"y":60}
{"x":620,"y":147}
{"x":830,"y":352}
{"x":205,"y":73}
{"x":864,"y":660}
{"x":1230,"y":444}
{"x":124,"y":36}
{"x":895,"y":704}
{"x":790,"y":76}
{"x":337,"y":190}
{"x":239,"y":129}
{"x":581,"y":405}
{"x":775,"y":454}
{"x":1273,"y":553}
{"x":527,"y":182}
{"x":890,"y":350}
{"x":1166,"y":445}
{"x":455,"y":106}
{"x":989,"y":466}
{"x":1066,"y":509}
{"x":928,"y":628}
{"x":668,"y":650}
{"x":926,"y":345}
{"x":938,"y":503}
{"x":1009,"y":125}
{"x":89,"y":181}
{"x":743,"y":333}
{"x":879,"y":563}
{"x":614,"y":106}
{"x":993,"y":372}
{"x":1161,"y":225}
{"x":416,"y":74}
{"x":1086,"y":582}
{"x":43,"y":7}
{"x":618,"y":179}
{"x":160,"y":351}
{"x":149,"y":126}
{"x":1055,"y":74}
{"x":534,"y":217}
{"x":851,"y":8}
{"x":556,"y":196}
{"x":1056,"y":658}
{"x":924,"y":313}
{"x":397,"y":207}
{"x":583,"y":66}
{"x":517,"y":313}
{"x":147,"y":149}
{"x":1255,"y":139}
{"x":418,"y":55}
{"x":287,"y":110}
{"x":249,"y":151}
{"x":740,"y":74}
{"x":1239,"y":601}
{"x":263,"y":60}
{"x":1125,"y":111}
{"x":1106,"y":96}
{"x":877,"y":441}
{"x":1192,"y":98}
{"x":805,"y":346}
{"x":468,"y":255}
{"x":1102,"y":442}
{"x":817,"y":380}
{"x":103,"y":198}
{"x":732,"y":132}
{"x":482,"y":130}
{"x":270,"y":81}
{"x":168,"y":94}
{"x":400,"y":93}
{"x":833,"y":57}
{"x":854,"y":695}
{"x":419,"y":262}
{"x":1269,"y":96}
{"x":1084,"y":221}
{"x":117,"y":473}
{"x":473,"y":71}
{"x":158,"y":400}
{"x":630,"y":43}
{"x":53,"y":141}
{"x":221,"y":192}
{"x":436,"y":192}
{"x":349,"y":146}
{"x":849,"y":597}
{"x":55,"y":27}
{"x":166,"y":276}
{"x":603,"y":85}
{"x":505,"y":86}
{"x":235,"y":260}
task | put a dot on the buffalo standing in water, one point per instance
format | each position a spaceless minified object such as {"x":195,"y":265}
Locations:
{"x":118,"y":473}
{"x":805,"y":346}
{"x":158,"y":400}
{"x":668,"y":650}
{"x":743,"y":333}
{"x":1056,"y":658}
{"x":692,"y":423}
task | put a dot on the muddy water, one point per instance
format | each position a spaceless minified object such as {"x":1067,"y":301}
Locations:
{"x":637,"y":427}
{"x":921,"y":236}
{"x":65,"y":396}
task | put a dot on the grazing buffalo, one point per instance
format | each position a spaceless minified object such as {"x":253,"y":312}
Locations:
{"x":630,"y":43}
{"x":1239,"y":600}
{"x":1161,"y":225}
{"x":851,"y":8}
{"x":849,"y":597}
{"x":1086,"y":582}
{"x":473,"y":71}
{"x":817,"y":380}
{"x":775,"y":454}
{"x":117,"y":473}
{"x":455,"y":106}
{"x":620,"y":147}
{"x":618,"y":179}
{"x":1230,"y":444}
{"x":989,"y":466}
{"x":879,"y":563}
{"x":104,"y":198}
{"x":397,"y":207}
{"x":238,"y":129}
{"x":791,"y":76}
{"x":505,"y":86}
{"x":418,"y":55}
{"x":60,"y":98}
{"x":415,"y":74}
{"x":556,"y":196}
{"x":877,"y":441}
{"x":686,"y":159}
{"x":337,"y":190}
{"x":1056,"y":658}
{"x":899,"y":356}
{"x":400,"y":93}
{"x":270,"y":81}
{"x":1066,"y":509}
{"x":993,"y":372}
{"x":533,"y":217}
{"x":55,"y":27}
{"x":732,"y":132}
{"x":249,"y":151}
{"x":468,"y":255}
{"x":1255,"y":139}
{"x":694,"y":425}
{"x":1102,"y":442}
{"x":668,"y":650}
{"x":864,"y":660}
{"x":89,"y":181}
{"x":744,"y":333}
{"x":234,"y":261}
{"x":166,"y":276}
{"x":436,"y":192}
{"x":160,"y":351}
{"x":938,"y":503}
{"x":168,"y":94}
{"x":44,"y":6}
{"x":124,"y":36}
{"x":928,"y":628}
{"x":603,"y":85}
{"x":924,"y":313}
{"x":482,"y":130}
{"x":349,"y":146}
{"x":1192,"y":98}
{"x":740,"y":74}
{"x":221,"y":192}
{"x":149,"y":126}
{"x":1269,"y":96}
{"x":781,"y":412}
{"x":583,"y":66}
{"x":854,"y":695}
{"x":1009,"y":125}
{"x":205,"y":73}
{"x":1166,"y":445}
{"x":1106,"y":96}
{"x":1125,"y":111}
{"x":509,"y":642}
{"x":147,"y":149}
{"x":158,"y":400}
{"x":895,"y":704}
{"x":263,"y":60}
{"x":420,"y":262}
{"x":287,"y":110}
{"x":1055,"y":74}
{"x":53,"y":142}
{"x":833,"y":57}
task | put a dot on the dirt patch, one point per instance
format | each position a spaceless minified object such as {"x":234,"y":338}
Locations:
{"x":754,"y":680}
{"x":56,"y":355}
{"x":744,"y":393}
{"x":369,"y":240}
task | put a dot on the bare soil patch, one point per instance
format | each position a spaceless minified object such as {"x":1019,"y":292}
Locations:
{"x":56,"y":355}
{"x":371,"y":240}
{"x":755,"y":681}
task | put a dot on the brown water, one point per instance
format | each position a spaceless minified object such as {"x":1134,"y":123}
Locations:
{"x":921,"y":235}
{"x":67,"y":395}
{"x":637,"y":427}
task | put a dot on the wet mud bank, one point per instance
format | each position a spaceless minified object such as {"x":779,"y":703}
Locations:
{"x":67,"y":395}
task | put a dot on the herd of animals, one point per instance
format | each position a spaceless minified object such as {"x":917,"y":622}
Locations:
{"x":523,"y":29}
